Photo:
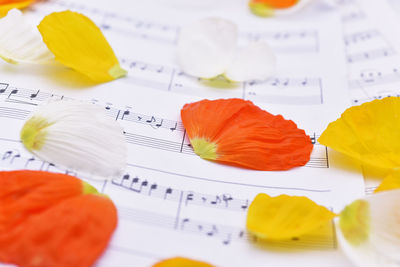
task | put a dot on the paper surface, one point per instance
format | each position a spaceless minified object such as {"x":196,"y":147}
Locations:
{"x":171,"y":202}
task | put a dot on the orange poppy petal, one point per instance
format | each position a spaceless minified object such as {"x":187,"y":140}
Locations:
{"x":72,"y":233}
{"x":35,"y":205}
{"x":236,"y":132}
{"x":181,"y":262}
{"x":5,"y":6}
{"x":276,"y":3}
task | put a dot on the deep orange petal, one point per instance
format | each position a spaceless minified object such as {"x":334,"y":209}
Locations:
{"x":244,"y":135}
{"x":50,"y":219}
{"x":276,"y":3}
{"x":73,"y":233}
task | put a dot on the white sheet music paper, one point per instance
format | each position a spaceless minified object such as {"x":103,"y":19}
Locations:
{"x":170,"y":201}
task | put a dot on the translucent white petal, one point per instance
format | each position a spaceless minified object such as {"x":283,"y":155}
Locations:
{"x":382,"y":248}
{"x":254,"y":62}
{"x":21,"y":42}
{"x":80,"y":137}
{"x":207,"y":47}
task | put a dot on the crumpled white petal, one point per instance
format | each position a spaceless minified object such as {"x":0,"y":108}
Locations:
{"x":22,"y":42}
{"x":78,"y":136}
{"x":207,"y":47}
{"x":254,"y":62}
{"x":381,"y":245}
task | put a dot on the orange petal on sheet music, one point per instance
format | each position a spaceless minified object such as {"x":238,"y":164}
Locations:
{"x":6,"y":5}
{"x":79,"y":44}
{"x":285,"y":217}
{"x":77,"y":136}
{"x":391,"y":182}
{"x":181,"y":262}
{"x":369,"y":133}
{"x":50,"y":219}
{"x":369,"y":230}
{"x":238,"y":133}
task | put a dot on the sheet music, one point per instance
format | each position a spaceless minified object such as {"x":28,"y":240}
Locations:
{"x":371,"y":49}
{"x":171,"y":202}
{"x":168,"y":193}
{"x":309,"y":58}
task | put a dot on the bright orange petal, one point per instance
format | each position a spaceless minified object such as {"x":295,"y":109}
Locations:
{"x":276,"y":3}
{"x":181,"y":262}
{"x":7,"y":5}
{"x":236,"y":132}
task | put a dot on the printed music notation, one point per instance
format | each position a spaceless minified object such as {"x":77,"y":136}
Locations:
{"x":276,"y":90}
{"x":25,"y":96}
{"x":224,"y":233}
{"x":373,"y":77}
{"x":370,"y":54}
{"x":12,"y":159}
{"x":361,"y":37}
{"x":291,"y":41}
{"x":374,"y":84}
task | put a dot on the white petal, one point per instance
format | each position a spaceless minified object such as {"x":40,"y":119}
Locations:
{"x":207,"y":47}
{"x":382,"y":248}
{"x":80,"y":137}
{"x":22,"y":42}
{"x":254,"y":62}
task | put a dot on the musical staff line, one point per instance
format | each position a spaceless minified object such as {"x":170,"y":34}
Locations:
{"x":291,"y":41}
{"x":224,"y":233}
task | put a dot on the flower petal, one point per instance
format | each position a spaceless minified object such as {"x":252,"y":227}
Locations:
{"x":181,"y":262}
{"x":7,"y":5}
{"x":369,"y":230}
{"x":79,"y":44}
{"x":285,"y":217}
{"x":267,"y":8}
{"x":35,"y":205}
{"x":254,"y":62}
{"x":369,"y":133}
{"x":207,"y":47}
{"x":392,"y":181}
{"x":78,"y":136}
{"x":20,"y":42}
{"x":236,"y":132}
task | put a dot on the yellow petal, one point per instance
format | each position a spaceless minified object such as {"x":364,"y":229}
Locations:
{"x":78,"y":43}
{"x":391,"y":182}
{"x":285,"y":217}
{"x":8,"y":5}
{"x":181,"y":262}
{"x":369,"y":133}
{"x":261,"y":9}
